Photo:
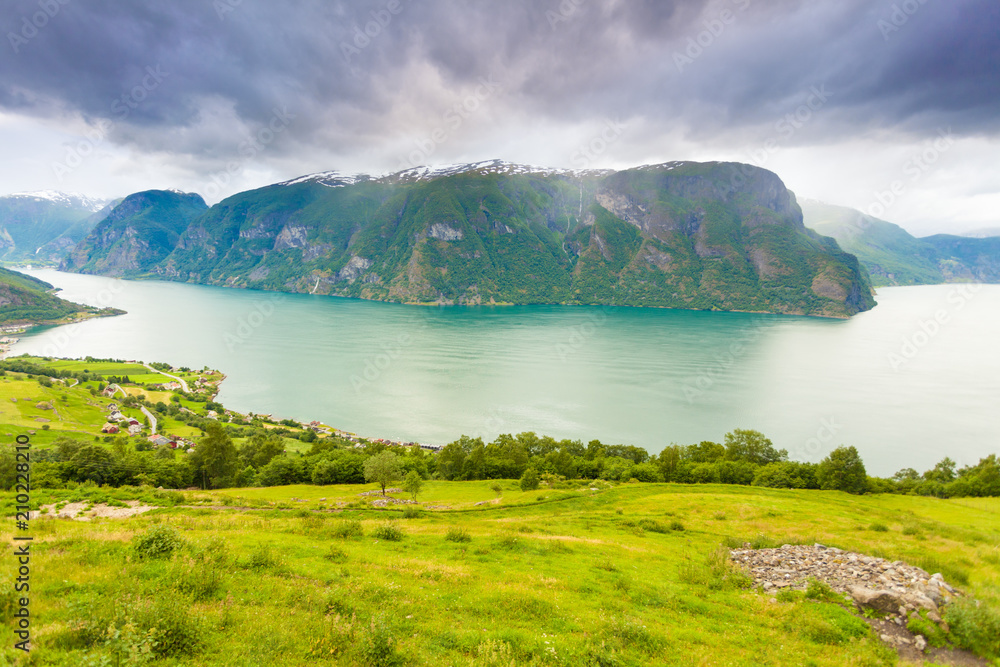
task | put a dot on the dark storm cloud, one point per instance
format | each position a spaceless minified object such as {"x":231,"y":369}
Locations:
{"x":716,"y":68}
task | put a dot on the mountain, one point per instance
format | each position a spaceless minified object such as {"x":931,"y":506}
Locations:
{"x":137,"y":234}
{"x":895,"y":257}
{"x":714,"y":236}
{"x":40,"y":227}
{"x":27,"y":300}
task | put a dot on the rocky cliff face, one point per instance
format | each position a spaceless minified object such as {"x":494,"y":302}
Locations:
{"x":136,"y":235}
{"x":685,"y":235}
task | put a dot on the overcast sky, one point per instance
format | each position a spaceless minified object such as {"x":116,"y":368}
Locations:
{"x":890,"y":106}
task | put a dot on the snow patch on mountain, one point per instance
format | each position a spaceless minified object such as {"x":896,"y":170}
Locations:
{"x":67,"y":199}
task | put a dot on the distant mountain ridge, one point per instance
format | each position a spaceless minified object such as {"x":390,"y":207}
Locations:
{"x":895,"y":257}
{"x":714,"y":236}
{"x":41,"y":227}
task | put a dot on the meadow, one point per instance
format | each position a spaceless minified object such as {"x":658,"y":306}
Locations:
{"x":584,"y":574}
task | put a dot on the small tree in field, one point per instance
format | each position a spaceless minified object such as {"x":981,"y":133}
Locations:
{"x":383,"y":469}
{"x":496,"y":488}
{"x":529,"y":480}
{"x":843,"y":470}
{"x":413,"y":483}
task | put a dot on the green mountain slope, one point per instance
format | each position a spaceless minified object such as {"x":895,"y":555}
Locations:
{"x":137,"y":234}
{"x":42,"y":227}
{"x":27,"y":300}
{"x":681,"y":235}
{"x":894,"y":257}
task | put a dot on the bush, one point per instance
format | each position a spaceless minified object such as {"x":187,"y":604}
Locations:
{"x":975,"y":627}
{"x":335,"y":555}
{"x":201,"y":581}
{"x":388,"y":531}
{"x":262,"y":558}
{"x":348,"y":529}
{"x":529,"y":480}
{"x":653,"y":526}
{"x":879,"y":527}
{"x":715,"y":571}
{"x":412,"y":513}
{"x":159,"y":541}
{"x":456,"y":534}
{"x":378,"y":646}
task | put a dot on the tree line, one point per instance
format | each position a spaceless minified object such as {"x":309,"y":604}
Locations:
{"x":745,"y":457}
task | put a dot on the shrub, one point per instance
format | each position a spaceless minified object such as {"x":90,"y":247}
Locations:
{"x":378,"y":646}
{"x":818,"y":589}
{"x":159,"y":541}
{"x":262,"y":558}
{"x":335,"y":555}
{"x":879,"y":527}
{"x":676,"y":525}
{"x":934,"y":635}
{"x":654,"y":526}
{"x":456,"y":534}
{"x":201,"y":581}
{"x":412,"y":513}
{"x":388,"y":531}
{"x":529,"y":480}
{"x":715,"y":571}
{"x":348,"y":529}
{"x":975,"y":627}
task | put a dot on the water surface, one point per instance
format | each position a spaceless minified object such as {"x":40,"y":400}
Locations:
{"x":907,"y":383}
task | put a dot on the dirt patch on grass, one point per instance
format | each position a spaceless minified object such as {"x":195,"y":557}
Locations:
{"x":86,"y":511}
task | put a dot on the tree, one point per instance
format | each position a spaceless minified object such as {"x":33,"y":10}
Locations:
{"x":496,"y":488}
{"x":215,"y":457}
{"x":413,"y":483}
{"x":383,"y":469}
{"x":752,"y":446}
{"x":529,"y":480}
{"x":843,"y":470}
{"x":943,"y":472}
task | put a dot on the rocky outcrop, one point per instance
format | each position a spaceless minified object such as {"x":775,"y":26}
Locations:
{"x":893,"y":591}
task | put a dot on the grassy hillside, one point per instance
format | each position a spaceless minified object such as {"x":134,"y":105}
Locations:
{"x":577,"y":572}
{"x":578,"y":575}
{"x":27,"y":300}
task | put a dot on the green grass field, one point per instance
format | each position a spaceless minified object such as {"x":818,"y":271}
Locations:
{"x":565,"y":576}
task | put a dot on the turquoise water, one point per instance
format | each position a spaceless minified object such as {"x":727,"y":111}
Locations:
{"x":916,"y":379}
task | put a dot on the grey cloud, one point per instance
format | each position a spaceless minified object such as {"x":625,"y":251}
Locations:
{"x":565,"y":60}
